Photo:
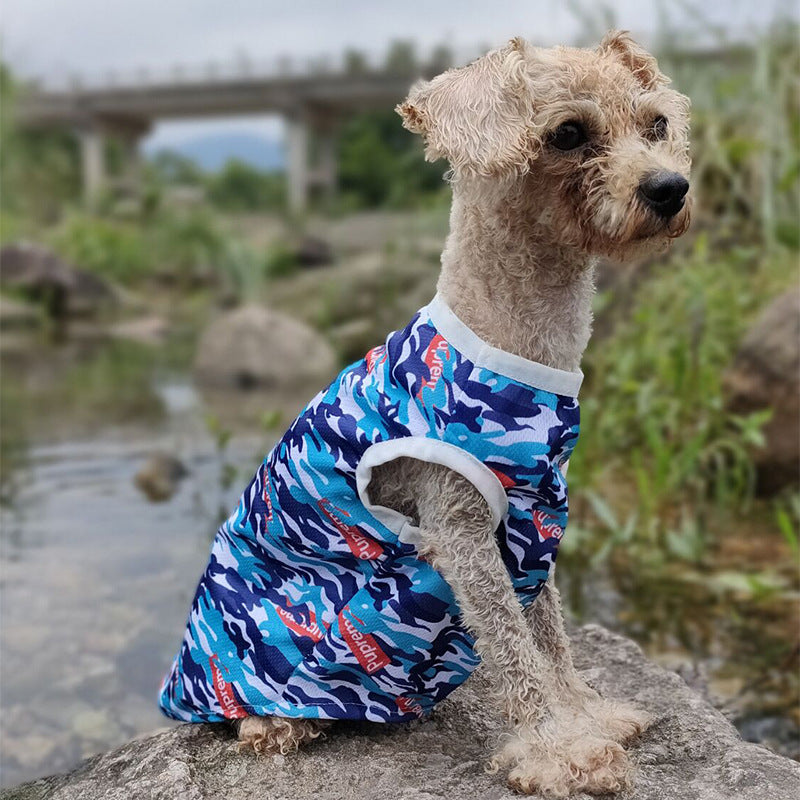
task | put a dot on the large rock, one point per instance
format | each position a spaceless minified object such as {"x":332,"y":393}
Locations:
{"x":313,"y":252}
{"x":159,"y":476}
{"x":691,"y":752}
{"x":766,"y":374}
{"x":358,"y":300}
{"x":42,"y":275}
{"x":255,"y":347}
{"x":14,"y":314}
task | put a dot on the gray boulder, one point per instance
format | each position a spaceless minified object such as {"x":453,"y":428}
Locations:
{"x":159,"y":476}
{"x":766,"y":374}
{"x":15,"y":315}
{"x":48,"y":279}
{"x":255,"y":347}
{"x":690,"y":753}
{"x":313,"y":252}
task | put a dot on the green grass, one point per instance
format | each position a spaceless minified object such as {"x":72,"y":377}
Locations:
{"x":660,"y":455}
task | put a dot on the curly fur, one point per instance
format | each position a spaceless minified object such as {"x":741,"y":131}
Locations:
{"x":278,"y":735}
{"x":526,"y":226}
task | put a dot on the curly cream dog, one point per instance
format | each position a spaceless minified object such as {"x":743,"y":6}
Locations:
{"x":558,"y":156}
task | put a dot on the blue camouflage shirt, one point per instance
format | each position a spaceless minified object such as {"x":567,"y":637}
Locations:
{"x":315,"y":602}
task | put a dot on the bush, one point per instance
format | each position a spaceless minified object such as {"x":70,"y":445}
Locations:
{"x":111,"y":249}
{"x":656,"y":436}
{"x":186,"y":248}
{"x":240,"y":187}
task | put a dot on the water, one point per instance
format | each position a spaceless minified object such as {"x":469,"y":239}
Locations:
{"x":97,"y":580}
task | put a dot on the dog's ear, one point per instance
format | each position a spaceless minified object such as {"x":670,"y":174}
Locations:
{"x":634,"y":57}
{"x":478,"y":116}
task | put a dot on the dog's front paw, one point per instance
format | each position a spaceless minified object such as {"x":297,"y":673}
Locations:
{"x":618,"y":721}
{"x":558,"y":767}
{"x":596,"y":766}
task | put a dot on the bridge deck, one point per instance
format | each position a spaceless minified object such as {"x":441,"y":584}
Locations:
{"x":316,"y":93}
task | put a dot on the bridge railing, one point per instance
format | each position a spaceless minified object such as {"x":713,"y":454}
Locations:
{"x":244,"y":68}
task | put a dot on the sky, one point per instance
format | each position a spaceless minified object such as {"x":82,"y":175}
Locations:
{"x":53,"y":39}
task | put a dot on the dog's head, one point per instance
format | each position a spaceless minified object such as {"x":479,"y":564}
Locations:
{"x":590,"y":143}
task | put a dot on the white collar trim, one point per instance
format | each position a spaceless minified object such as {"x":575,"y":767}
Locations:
{"x":482,"y":354}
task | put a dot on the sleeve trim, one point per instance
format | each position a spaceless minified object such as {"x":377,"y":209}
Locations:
{"x":433,"y":451}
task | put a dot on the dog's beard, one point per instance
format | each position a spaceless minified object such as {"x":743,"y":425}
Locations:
{"x":632,"y":231}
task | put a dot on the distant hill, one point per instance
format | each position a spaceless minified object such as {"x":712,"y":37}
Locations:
{"x":212,"y":151}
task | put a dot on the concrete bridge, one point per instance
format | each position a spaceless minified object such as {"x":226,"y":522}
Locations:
{"x":312,"y":98}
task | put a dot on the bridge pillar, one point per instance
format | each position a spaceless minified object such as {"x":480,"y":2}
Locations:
{"x":131,"y":176}
{"x":297,"y":162}
{"x":326,"y":161}
{"x":93,"y":167}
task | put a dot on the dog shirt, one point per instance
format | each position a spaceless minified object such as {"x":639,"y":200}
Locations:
{"x":315,"y":602}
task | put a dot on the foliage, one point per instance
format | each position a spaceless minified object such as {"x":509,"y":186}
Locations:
{"x":281,"y":260}
{"x":240,"y":187}
{"x":746,"y":134}
{"x":170,"y":168}
{"x":355,"y":62}
{"x":381,"y":164}
{"x":111,"y":249}
{"x":39,"y":169}
{"x":401,"y":59}
{"x":656,"y":436}
{"x":181,"y":247}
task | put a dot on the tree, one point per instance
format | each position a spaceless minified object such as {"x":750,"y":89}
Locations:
{"x":355,"y":62}
{"x":380,"y":163}
{"x":441,"y":59}
{"x":240,"y":187}
{"x":169,"y":167}
{"x":401,"y":58}
{"x":39,"y":169}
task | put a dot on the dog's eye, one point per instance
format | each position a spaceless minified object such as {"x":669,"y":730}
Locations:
{"x":568,"y":135}
{"x":658,"y":129}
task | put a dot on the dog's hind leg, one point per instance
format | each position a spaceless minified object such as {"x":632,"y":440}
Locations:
{"x":617,"y":721}
{"x":278,"y":734}
{"x":552,"y":749}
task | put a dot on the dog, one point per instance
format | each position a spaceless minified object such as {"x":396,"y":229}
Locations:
{"x":406,"y":525}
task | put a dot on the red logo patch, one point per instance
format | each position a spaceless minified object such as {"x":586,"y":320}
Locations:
{"x":375,"y":356}
{"x":434,"y":360}
{"x":362,"y":546}
{"x":224,"y":692}
{"x":363,"y":645}
{"x":265,"y":479}
{"x":545,"y":529}
{"x":301,"y":627}
{"x":408,"y":705}
{"x":504,"y":479}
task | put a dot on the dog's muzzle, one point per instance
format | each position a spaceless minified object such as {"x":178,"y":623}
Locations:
{"x":664,"y":193}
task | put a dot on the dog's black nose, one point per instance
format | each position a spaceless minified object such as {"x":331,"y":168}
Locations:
{"x":664,"y":192}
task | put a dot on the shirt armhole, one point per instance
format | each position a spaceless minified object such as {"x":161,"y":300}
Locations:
{"x":433,"y":451}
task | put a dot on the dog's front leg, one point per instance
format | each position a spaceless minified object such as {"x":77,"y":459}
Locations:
{"x":549,"y":748}
{"x":617,"y":721}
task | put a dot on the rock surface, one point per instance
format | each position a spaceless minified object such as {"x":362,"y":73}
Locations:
{"x":14,"y":315}
{"x":313,"y":252}
{"x":45,"y":277}
{"x":359,"y":299}
{"x":766,"y":374}
{"x":255,"y":347}
{"x":690,"y":753}
{"x":159,"y":476}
